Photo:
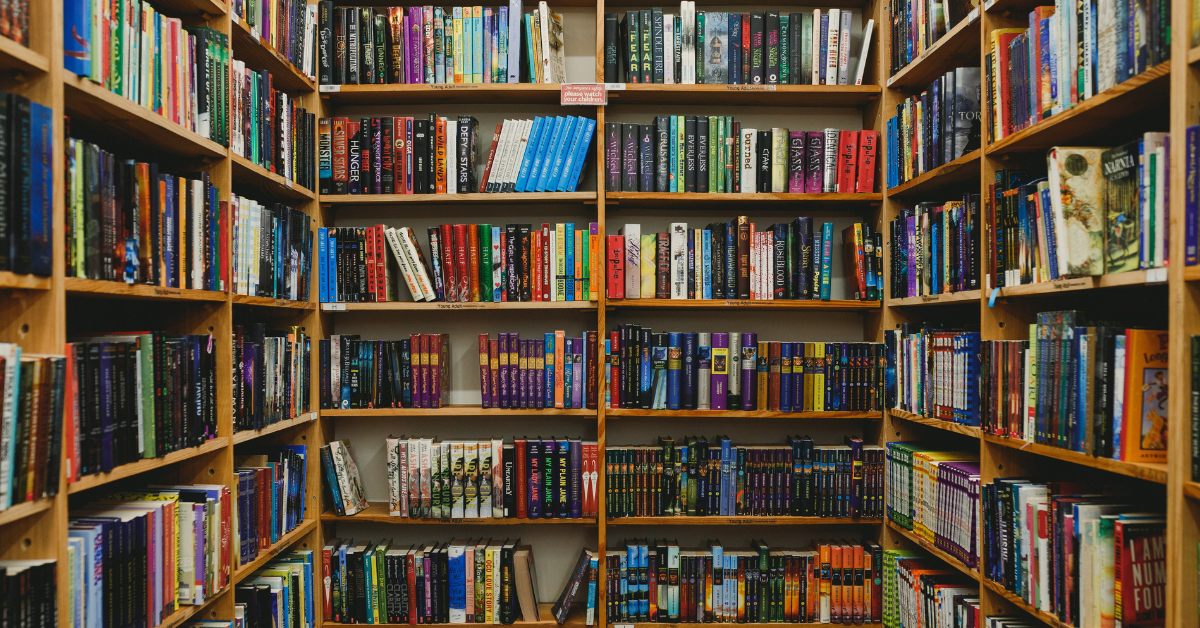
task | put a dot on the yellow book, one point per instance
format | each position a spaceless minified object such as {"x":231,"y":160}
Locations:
{"x":818,"y":390}
{"x":924,"y":488}
{"x":649,"y":249}
{"x":578,"y":265}
{"x":560,"y":262}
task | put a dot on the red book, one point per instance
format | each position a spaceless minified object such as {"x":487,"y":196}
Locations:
{"x":461,"y":274}
{"x":867,"y":141}
{"x":339,"y":159}
{"x":326,"y":567}
{"x":1140,"y":569}
{"x":491,"y":156}
{"x":369,"y":261}
{"x":381,"y":275}
{"x":519,"y":446}
{"x":448,"y":279}
{"x":535,"y":270}
{"x":1002,"y":82}
{"x":411,"y":568}
{"x":547,"y":265}
{"x":485,"y":376}
{"x":365,"y":146}
{"x":846,"y":160}
{"x":616,"y":267}
{"x":473,"y":261}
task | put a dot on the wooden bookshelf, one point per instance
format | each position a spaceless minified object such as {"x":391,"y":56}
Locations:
{"x":966,"y":296}
{"x":264,"y":556}
{"x":957,"y":173}
{"x":929,"y":547}
{"x":743,"y":304}
{"x":15,"y":58}
{"x":248,"y":46}
{"x":377,"y":512}
{"x":253,"y":175}
{"x":617,"y":413}
{"x":457,"y":410}
{"x":949,"y":426}
{"x":25,"y":509}
{"x":437,"y":306}
{"x":119,"y":290}
{"x":131,"y":469}
{"x":546,"y":620}
{"x":1132,"y":279}
{"x":245,"y":299}
{"x":1142,"y":470}
{"x":447,"y":94}
{"x":249,"y":435}
{"x":15,"y":281}
{"x":740,"y":521}
{"x":745,"y":95}
{"x":1011,"y":598}
{"x":695,"y":200}
{"x":459,"y":199}
{"x":959,"y":45}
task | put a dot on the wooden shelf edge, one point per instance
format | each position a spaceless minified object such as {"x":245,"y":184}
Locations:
{"x":902,"y":78}
{"x":25,"y":509}
{"x":89,"y":482}
{"x":1153,"y":277}
{"x":457,"y":410}
{"x":744,"y":625}
{"x":739,"y":197}
{"x":1192,"y":489}
{"x":744,"y":304}
{"x":18,"y":57}
{"x":186,"y":613}
{"x":410,"y":306}
{"x":750,"y":414}
{"x":929,"y":547}
{"x":250,"y":172}
{"x":248,"y":435}
{"x":574,"y":620}
{"x":100,"y":288}
{"x":937,"y":299}
{"x":949,"y":426}
{"x":245,"y":299}
{"x":739,"y":521}
{"x":16,"y":281}
{"x":927,"y":178}
{"x":377,"y":512}
{"x":292,"y":78}
{"x":469,"y":198}
{"x":1149,"y":472}
{"x":279,"y":546}
{"x":1013,"y":599}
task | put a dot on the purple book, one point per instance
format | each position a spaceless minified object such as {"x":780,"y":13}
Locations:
{"x":796,"y":162}
{"x":524,"y":374}
{"x":749,"y":348}
{"x":629,"y":158}
{"x":578,"y":382}
{"x":503,"y":346}
{"x":416,"y":45}
{"x":612,"y":155}
{"x":538,"y":376}
{"x":814,"y":161}
{"x":514,"y":370}
{"x":720,"y":370}
{"x":575,"y":478}
{"x":911,"y":256}
{"x":405,"y":30}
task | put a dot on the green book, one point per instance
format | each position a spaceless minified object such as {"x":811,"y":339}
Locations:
{"x":700,"y":48}
{"x":785,"y":51}
{"x":713,"y":138}
{"x":485,"y":263}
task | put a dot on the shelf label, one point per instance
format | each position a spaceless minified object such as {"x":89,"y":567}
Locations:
{"x":585,"y":94}
{"x":254,"y":34}
{"x":325,"y":89}
{"x":1156,"y":275}
{"x":455,"y":85}
{"x":930,"y":298}
{"x":614,"y":87}
{"x":234,"y":16}
{"x":476,"y":305}
{"x":749,"y":88}
{"x":740,"y":302}
{"x":973,"y":15}
{"x":333,"y":307}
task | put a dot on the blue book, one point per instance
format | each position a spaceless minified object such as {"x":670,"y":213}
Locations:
{"x":457,"y":581}
{"x":591,"y":597}
{"x":569,"y":254}
{"x":77,"y":37}
{"x":331,"y":263}
{"x":1191,"y":204}
{"x":535,"y":136}
{"x":735,"y":49}
{"x":548,"y":373}
{"x":322,"y":265}
{"x":644,"y":583}
{"x":824,"y":47}
{"x":687,"y":392}
{"x":705,"y":265}
{"x":571,"y":180}
{"x":785,"y":382}
{"x":169,"y":235}
{"x":487,"y":31}
{"x":563,"y":153}
{"x":568,"y":370}
{"x":623,"y":562}
{"x":826,"y":258}
{"x":571,"y":158}
{"x":674,"y":369}
{"x":502,"y":44}
{"x":674,"y":178}
{"x":725,"y":492}
{"x":552,"y":166}
{"x":549,"y":135}
{"x":41,"y":219}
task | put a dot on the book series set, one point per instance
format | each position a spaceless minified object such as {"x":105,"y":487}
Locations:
{"x":269,"y":128}
{"x":33,"y":395}
{"x":272,"y":250}
{"x":26,"y":205}
{"x":409,"y":373}
{"x":272,"y":375}
{"x":935,"y":126}
{"x":281,"y":593}
{"x":935,"y":248}
{"x":288,"y":26}
{"x":270,"y":497}
{"x":935,"y":495}
{"x":549,"y":372}
{"x":925,"y":591}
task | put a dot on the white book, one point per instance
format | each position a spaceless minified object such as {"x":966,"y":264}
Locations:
{"x":1106,"y":44}
{"x":1089,"y":51}
{"x":669,"y":52}
{"x":816,"y":48}
{"x":866,"y":48}
{"x":746,"y":154}
{"x":512,"y":156}
{"x":11,"y":353}
{"x":544,"y":31}
{"x":310,"y":23}
{"x":470,"y":479}
{"x":406,"y":269}
{"x":633,"y":260}
{"x":556,"y":257}
{"x":392,"y":445}
{"x":1160,"y":209}
{"x":832,"y":39}
{"x":414,"y":255}
{"x":679,"y":260}
{"x":414,"y":476}
{"x":451,"y":159}
{"x":497,"y":465}
{"x":687,"y":13}
{"x":494,"y":172}
{"x":829,"y":181}
{"x":457,"y":479}
{"x":843,"y":72}
{"x":519,"y":156}
{"x":516,"y":39}
{"x":485,"y":480}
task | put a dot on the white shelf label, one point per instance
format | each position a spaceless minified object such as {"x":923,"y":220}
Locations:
{"x":234,"y":16}
{"x":333,"y":307}
{"x":325,"y":89}
{"x":614,"y":87}
{"x":973,"y":15}
{"x":254,"y":34}
{"x":1156,"y":275}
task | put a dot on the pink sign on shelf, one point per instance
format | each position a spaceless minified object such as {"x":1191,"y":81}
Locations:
{"x":587,"y":94}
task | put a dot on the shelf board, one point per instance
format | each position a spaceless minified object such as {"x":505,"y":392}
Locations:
{"x":574,"y":620}
{"x":186,"y":613}
{"x":929,"y":547}
{"x":745,"y":95}
{"x":377,"y":512}
{"x":117,"y":289}
{"x":459,"y":410}
{"x":245,"y":299}
{"x":715,"y":304}
{"x":698,"y":200}
{"x":410,"y":306}
{"x":937,"y":299}
{"x":1096,"y":114}
{"x":127,"y":470}
{"x":90,"y":103}
{"x":1192,"y":489}
{"x":949,"y":426}
{"x":740,"y":521}
{"x":265,"y":555}
{"x":742,"y":414}
{"x":1012,"y":598}
{"x":17,"y":58}
{"x":1133,"y":278}
{"x":25,"y":509}
{"x":958,"y":43}
{"x":250,"y":173}
{"x":642,"y":624}
{"x":473,"y":198}
{"x":262,"y":56}
{"x":1151,"y":472}
{"x":450,"y":93}
{"x":1193,"y":55}
{"x":1191,"y":273}
{"x":206,"y":9}
{"x":15,"y":281}
{"x":959,"y":172}
{"x":247,"y":435}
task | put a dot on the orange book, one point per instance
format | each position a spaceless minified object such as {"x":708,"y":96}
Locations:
{"x":1144,"y":437}
{"x":857,"y":609}
{"x":473,"y":260}
{"x":835,"y":583}
{"x":826,"y":555}
{"x":578,"y":265}
{"x":560,"y":340}
{"x":145,"y":262}
{"x":440,"y":156}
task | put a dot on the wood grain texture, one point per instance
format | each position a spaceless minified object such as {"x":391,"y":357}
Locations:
{"x":116,"y":289}
{"x":959,"y":45}
{"x":453,"y":93}
{"x":1011,"y":598}
{"x":1134,"y":278}
{"x":17,"y":58}
{"x":949,"y":426}
{"x":22,"y":510}
{"x":377,"y":512}
{"x":264,"y":555}
{"x":412,"y":306}
{"x":1141,"y":470}
{"x":248,"y":173}
{"x":696,"y":200}
{"x":473,"y":198}
{"x":929,"y":547}
{"x":617,"y":413}
{"x":458,"y":410}
{"x":716,"y":304}
{"x":245,"y":299}
{"x":960,"y":172}
{"x":128,"y":470}
{"x":574,"y":620}
{"x":966,"y":296}
{"x":249,"y":435}
{"x":739,"y":521}
{"x":745,"y":95}
{"x":17,"y":281}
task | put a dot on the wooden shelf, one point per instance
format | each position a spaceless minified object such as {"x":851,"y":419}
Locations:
{"x":739,"y":521}
{"x":459,"y":410}
{"x":745,"y":95}
{"x":696,"y":200}
{"x":714,"y":304}
{"x":249,"y":173}
{"x":117,"y":289}
{"x":25,"y":509}
{"x":245,"y":299}
{"x":967,"y":296}
{"x":1193,"y":55}
{"x":187,"y":613}
{"x":959,"y":44}
{"x":452,"y":93}
{"x":1150,"y":472}
{"x":1012,"y":598}
{"x":410,"y":306}
{"x":949,"y":426}
{"x":248,"y":435}
{"x":459,"y":199}
{"x":15,"y":281}
{"x":743,"y":414}
{"x":1191,"y":273}
{"x":642,"y":624}
{"x":89,"y":103}
{"x":260,"y":55}
{"x":265,"y":555}
{"x":17,"y":58}
{"x":377,"y":512}
{"x":88,"y":482}
{"x":929,"y":547}
{"x":960,"y":172}
{"x":1097,"y":114}
{"x":574,"y":620}
{"x":1192,"y":489}
{"x":204,"y":9}
{"x":1134,"y":278}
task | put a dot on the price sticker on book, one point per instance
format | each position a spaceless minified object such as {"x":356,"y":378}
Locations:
{"x":584,"y":94}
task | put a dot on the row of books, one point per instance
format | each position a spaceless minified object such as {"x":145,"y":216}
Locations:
{"x":272,"y":250}
{"x":934,"y":126}
{"x":270,"y":128}
{"x":466,"y":263}
{"x":717,"y":48}
{"x":935,"y":494}
{"x":831,"y":581}
{"x":409,"y":373}
{"x":917,"y":26}
{"x":934,"y":372}
{"x":700,"y":478}
{"x":1067,"y":550}
{"x":1031,"y":388}
{"x":935,"y":248}
{"x":485,"y":479}
{"x":178,"y":72}
{"x":342,"y":478}
{"x":925,"y":593}
{"x":273,"y":371}
{"x":26,"y":220}
{"x":717,"y":154}
{"x":128,"y":221}
{"x":733,"y":260}
{"x":138,"y":395}
{"x":278,"y":595}
{"x":736,"y":371}
{"x":32,"y":410}
{"x":438,"y":45}
{"x":269,"y":493}
{"x":288,"y":26}
{"x":1069,"y":54}
{"x":554,"y":371}
{"x":30,"y":588}
{"x":127,"y":545}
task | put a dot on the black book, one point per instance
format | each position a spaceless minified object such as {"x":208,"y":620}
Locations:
{"x":381,"y":38}
{"x":771,"y":34}
{"x":468,"y":138}
{"x":19,"y":251}
{"x":366,"y":42}
{"x":353,"y":47}
{"x":764,"y":161}
{"x":525,"y":270}
{"x":717,"y":246}
{"x":431,"y":156}
{"x":662,"y":157}
{"x":325,"y":43}
{"x":421,"y":156}
{"x":633,"y":43}
{"x":646,"y":31}
{"x":701,"y":156}
{"x":611,"y":49}
{"x":629,"y":152}
{"x":689,"y":147}
{"x":512,"y":284}
{"x":780,"y":271}
{"x":656,"y":34}
{"x":757,"y":63}
{"x":562,"y":605}
{"x":509,"y":495}
{"x":613,"y":155}
{"x":795,"y":24}
{"x":646,"y":135}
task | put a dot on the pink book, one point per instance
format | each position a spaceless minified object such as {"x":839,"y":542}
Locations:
{"x":814,"y":161}
{"x":796,"y":162}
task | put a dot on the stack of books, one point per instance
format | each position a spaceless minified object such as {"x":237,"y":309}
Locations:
{"x":128,"y":221}
{"x":733,"y":260}
{"x":935,"y":495}
{"x":735,"y":371}
{"x":409,"y":373}
{"x":653,"y":580}
{"x":281,"y":593}
{"x":549,"y":372}
{"x":272,"y":250}
{"x":716,"y":48}
{"x":935,"y":248}
{"x":717,"y":154}
{"x":139,"y":395}
{"x":934,"y":592}
{"x":26,"y":241}
{"x":342,"y":479}
{"x":270,"y":129}
{"x":32,"y":396}
{"x":272,"y":375}
{"x":699,"y":478}
{"x":1030,"y":389}
{"x":935,"y":372}
{"x":288,"y":26}
{"x":438,"y":45}
{"x":935,"y":126}
{"x":917,"y":27}
{"x":492,"y":479}
{"x":270,"y":492}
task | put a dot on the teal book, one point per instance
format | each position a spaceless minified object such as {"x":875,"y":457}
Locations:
{"x":826,"y":259}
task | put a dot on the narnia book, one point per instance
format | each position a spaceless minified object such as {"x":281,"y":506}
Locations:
{"x":1076,"y":196}
{"x":1122,"y":235}
{"x":1144,"y":427}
